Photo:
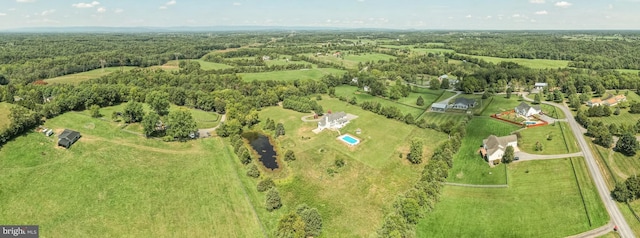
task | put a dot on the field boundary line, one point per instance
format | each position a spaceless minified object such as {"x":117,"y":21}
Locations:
{"x":478,"y":185}
{"x":584,"y":204}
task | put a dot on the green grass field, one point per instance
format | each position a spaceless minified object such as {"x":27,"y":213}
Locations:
{"x":501,"y":104}
{"x":4,"y":115}
{"x":558,"y":132}
{"x":410,"y":107}
{"x":291,"y":75}
{"x":282,"y":61}
{"x":351,"y":61}
{"x":352,"y":200}
{"x":551,"y":111}
{"x":84,"y":76}
{"x":440,"y":118}
{"x":543,"y":200}
{"x":531,"y":63}
{"x":468,"y":165}
{"x":112,"y":183}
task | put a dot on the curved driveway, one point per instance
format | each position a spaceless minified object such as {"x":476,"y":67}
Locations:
{"x":614,"y":212}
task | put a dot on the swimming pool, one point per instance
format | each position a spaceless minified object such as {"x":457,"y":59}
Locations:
{"x":530,"y":122}
{"x":349,"y":139}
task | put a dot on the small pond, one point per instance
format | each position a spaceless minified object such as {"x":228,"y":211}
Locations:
{"x":261,"y":144}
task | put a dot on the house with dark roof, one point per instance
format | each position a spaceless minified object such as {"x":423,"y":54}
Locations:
{"x":526,"y":110}
{"x":463,"y":103}
{"x":493,"y":147}
{"x":68,"y":137}
{"x":333,"y":121}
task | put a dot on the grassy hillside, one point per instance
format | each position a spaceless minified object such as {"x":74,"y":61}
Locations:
{"x":84,"y":76}
{"x":112,"y":183}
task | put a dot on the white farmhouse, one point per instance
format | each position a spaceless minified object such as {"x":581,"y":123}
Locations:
{"x":493,"y":147}
{"x":526,"y":110}
{"x":333,"y":121}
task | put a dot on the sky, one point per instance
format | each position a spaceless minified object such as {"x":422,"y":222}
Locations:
{"x":393,"y":14}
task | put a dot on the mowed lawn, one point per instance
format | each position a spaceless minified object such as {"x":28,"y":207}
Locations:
{"x":353,"y":199}
{"x":531,"y":63}
{"x":84,"y":76}
{"x":291,"y":75}
{"x":562,"y":140}
{"x":500,"y":103}
{"x":112,"y":183}
{"x":5,"y":111}
{"x":468,"y":165}
{"x":543,"y":200}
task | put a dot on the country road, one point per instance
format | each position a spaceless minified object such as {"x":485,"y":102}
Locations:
{"x":614,"y":212}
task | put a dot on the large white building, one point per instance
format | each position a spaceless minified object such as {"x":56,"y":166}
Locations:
{"x":333,"y":121}
{"x":526,"y":110}
{"x":493,"y":147}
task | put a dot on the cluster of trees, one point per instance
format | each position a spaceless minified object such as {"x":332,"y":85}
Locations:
{"x":599,"y":111}
{"x":304,"y":222}
{"x":302,"y":104}
{"x":627,"y":191}
{"x":21,"y":120}
{"x":415,"y":151}
{"x":418,"y":201}
{"x":387,"y":111}
{"x":240,"y":149}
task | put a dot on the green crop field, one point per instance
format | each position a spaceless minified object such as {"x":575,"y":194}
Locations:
{"x":373,"y":175}
{"x":111,"y":183}
{"x":543,"y":200}
{"x":4,"y":115}
{"x":352,"y":91}
{"x":468,"y":165}
{"x":558,"y":132}
{"x":84,"y":76}
{"x":291,"y":75}
{"x":531,"y":63}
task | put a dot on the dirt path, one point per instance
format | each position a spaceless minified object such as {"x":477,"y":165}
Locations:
{"x":524,"y":156}
{"x":206,"y":132}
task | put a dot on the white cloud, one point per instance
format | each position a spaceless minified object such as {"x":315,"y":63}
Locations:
{"x":543,"y":12}
{"x":537,"y":1}
{"x":2,"y":14}
{"x":101,"y":9}
{"x":85,"y":5}
{"x":172,"y":2}
{"x":515,"y":15}
{"x":162,"y":7}
{"x":563,"y":4}
{"x":360,"y":0}
{"x":237,"y":4}
{"x":47,"y":12}
{"x":610,"y":6}
{"x":468,"y":16}
{"x":25,"y":0}
{"x":118,"y":10}
{"x":11,"y":9}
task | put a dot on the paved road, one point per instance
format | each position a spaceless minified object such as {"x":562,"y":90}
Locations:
{"x":206,"y":132}
{"x":523,"y":156}
{"x":614,"y":212}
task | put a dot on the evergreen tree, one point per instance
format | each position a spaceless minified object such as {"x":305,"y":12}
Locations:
{"x":508,"y":155}
{"x":253,"y":171}
{"x":273,"y":200}
{"x":415,"y":151}
{"x":289,"y":156}
{"x":280,"y":130}
{"x":420,"y":101}
{"x":291,"y":226}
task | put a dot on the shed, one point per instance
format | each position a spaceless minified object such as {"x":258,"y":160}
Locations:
{"x":67,"y":138}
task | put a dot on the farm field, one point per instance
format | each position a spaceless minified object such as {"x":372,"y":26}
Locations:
{"x":557,"y":145}
{"x":351,"y":61}
{"x":468,"y":165}
{"x":531,"y":63}
{"x":84,"y":76}
{"x":531,"y":205}
{"x":111,"y":183}
{"x":373,"y":175}
{"x":351,"y":91}
{"x":291,"y":75}
{"x":5,"y":111}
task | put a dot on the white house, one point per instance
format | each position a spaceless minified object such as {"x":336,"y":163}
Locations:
{"x":333,"y":121}
{"x":525,"y":110}
{"x":540,"y":86}
{"x":439,"y":107}
{"x":493,"y":147}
